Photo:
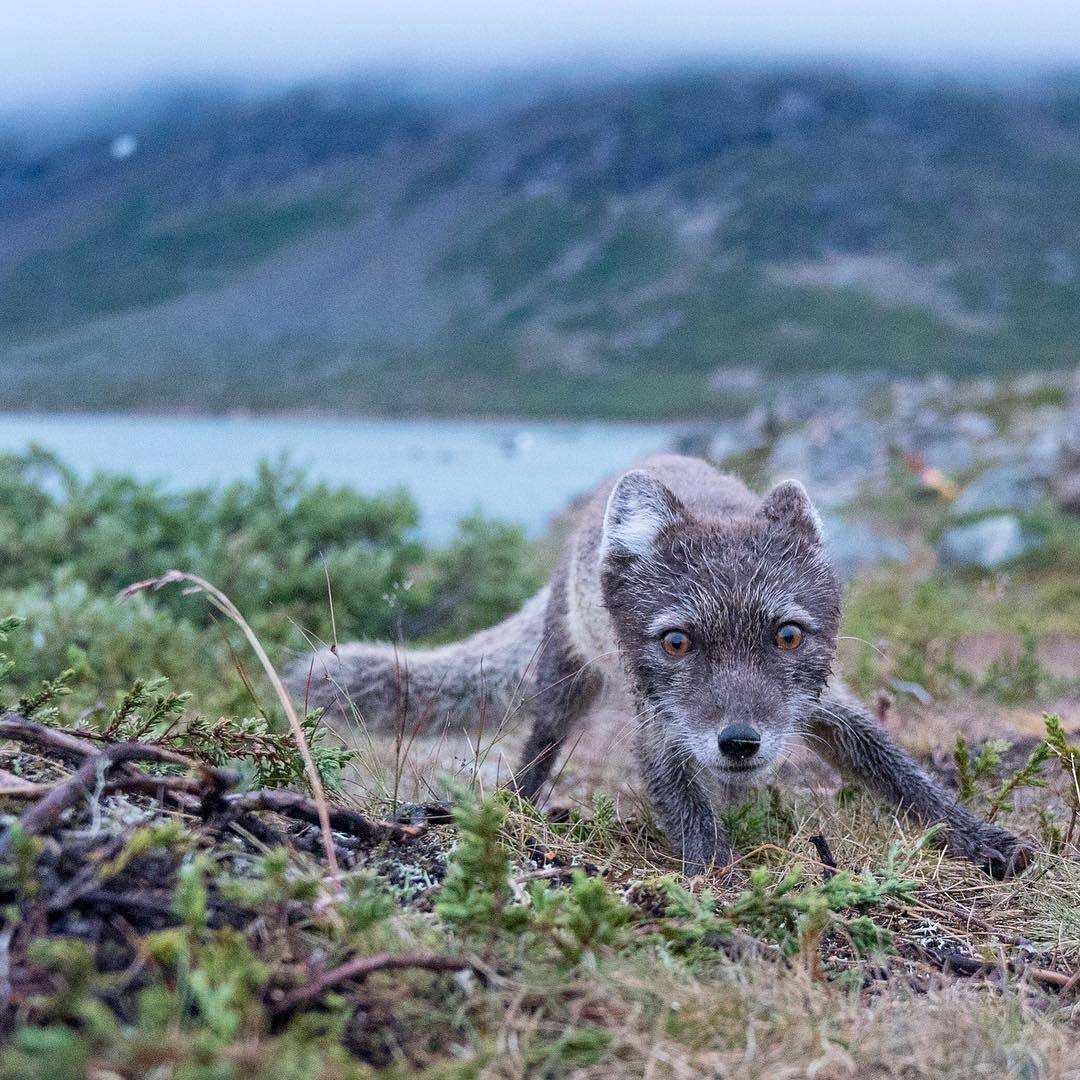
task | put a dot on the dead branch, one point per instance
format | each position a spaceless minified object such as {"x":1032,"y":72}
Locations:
{"x":45,"y":814}
{"x":98,"y":761}
{"x":65,"y":745}
{"x":956,"y":963}
{"x":293,"y":804}
{"x":825,"y":855}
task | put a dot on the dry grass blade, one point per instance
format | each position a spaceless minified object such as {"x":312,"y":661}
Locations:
{"x":228,"y":608}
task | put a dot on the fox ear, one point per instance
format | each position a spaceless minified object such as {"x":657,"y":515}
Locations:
{"x":788,"y":504}
{"x":638,"y":510}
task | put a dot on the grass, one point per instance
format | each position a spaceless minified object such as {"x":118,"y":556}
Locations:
{"x":614,"y":968}
{"x":513,"y":940}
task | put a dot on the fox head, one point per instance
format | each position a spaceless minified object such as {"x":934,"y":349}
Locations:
{"x":727,"y":628}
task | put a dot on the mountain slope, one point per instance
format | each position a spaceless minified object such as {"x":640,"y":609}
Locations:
{"x":611,"y":250}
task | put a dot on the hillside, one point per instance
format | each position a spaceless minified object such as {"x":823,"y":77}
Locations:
{"x":609,"y":250}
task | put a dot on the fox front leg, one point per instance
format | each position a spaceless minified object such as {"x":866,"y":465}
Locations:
{"x":682,"y":807}
{"x":857,"y":745}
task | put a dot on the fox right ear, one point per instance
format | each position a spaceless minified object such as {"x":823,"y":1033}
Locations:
{"x":788,"y":504}
{"x":638,"y":510}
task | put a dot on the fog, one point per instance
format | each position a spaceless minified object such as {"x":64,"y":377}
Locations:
{"x":58,"y":53}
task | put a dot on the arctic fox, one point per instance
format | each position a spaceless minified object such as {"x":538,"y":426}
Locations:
{"x":716,"y":611}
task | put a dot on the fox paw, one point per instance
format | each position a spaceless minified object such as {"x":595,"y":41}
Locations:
{"x":997,"y":851}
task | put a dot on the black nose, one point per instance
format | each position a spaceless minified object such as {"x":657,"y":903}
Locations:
{"x":739,"y":741}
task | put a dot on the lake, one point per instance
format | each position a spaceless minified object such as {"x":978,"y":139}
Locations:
{"x":523,"y":472}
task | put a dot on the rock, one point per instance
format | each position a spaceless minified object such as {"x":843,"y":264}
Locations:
{"x":853,"y":547}
{"x":755,"y":431}
{"x":1040,"y":436}
{"x":724,"y":443}
{"x":1006,"y":487}
{"x":916,"y":690}
{"x":951,"y":443}
{"x":974,"y":425}
{"x":1067,"y":492}
{"x":950,"y":454}
{"x":736,"y":380}
{"x":835,"y":456}
{"x":910,"y":397}
{"x":986,"y":544}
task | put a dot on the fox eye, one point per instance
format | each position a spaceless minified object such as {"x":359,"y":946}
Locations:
{"x":677,"y":642}
{"x":789,"y":636}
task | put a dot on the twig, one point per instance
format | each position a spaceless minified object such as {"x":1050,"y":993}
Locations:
{"x":227,"y":607}
{"x":828,"y":861}
{"x":145,"y":783}
{"x":112,"y":899}
{"x":293,"y":804}
{"x":544,"y":873}
{"x":47,"y":811}
{"x":359,"y":967}
{"x":20,"y":729}
{"x":948,"y":960}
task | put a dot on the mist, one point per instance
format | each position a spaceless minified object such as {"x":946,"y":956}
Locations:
{"x":57,"y":55}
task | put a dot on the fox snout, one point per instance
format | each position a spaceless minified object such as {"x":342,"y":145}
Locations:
{"x":739,"y":742}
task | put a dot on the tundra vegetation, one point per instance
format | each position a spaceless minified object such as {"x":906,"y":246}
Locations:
{"x":168,"y":906}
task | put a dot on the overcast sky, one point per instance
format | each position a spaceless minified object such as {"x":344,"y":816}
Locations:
{"x":59,"y":51}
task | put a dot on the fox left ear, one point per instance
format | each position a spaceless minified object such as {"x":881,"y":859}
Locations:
{"x":788,"y":504}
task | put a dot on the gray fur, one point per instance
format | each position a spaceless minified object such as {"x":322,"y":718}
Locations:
{"x":674,"y":545}
{"x":384,"y":685}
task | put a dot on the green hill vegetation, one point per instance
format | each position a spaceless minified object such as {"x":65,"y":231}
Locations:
{"x":601,"y":251}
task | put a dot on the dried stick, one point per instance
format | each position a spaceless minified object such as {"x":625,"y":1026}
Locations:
{"x":293,"y":804}
{"x":18,"y":728}
{"x":825,"y":855}
{"x":951,"y":961}
{"x":47,"y":811}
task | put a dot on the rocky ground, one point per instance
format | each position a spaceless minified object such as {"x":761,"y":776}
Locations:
{"x":987,"y":451}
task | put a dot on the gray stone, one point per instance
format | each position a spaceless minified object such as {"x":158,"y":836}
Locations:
{"x":853,"y":547}
{"x":736,"y":380}
{"x":987,"y":544}
{"x":724,"y":443}
{"x":1067,"y":492}
{"x":974,"y":425}
{"x":835,"y":456}
{"x":949,"y":454}
{"x":1007,"y":487}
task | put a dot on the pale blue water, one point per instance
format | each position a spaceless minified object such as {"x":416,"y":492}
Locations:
{"x":520,"y":472}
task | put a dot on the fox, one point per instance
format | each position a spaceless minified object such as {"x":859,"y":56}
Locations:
{"x":716,"y":613}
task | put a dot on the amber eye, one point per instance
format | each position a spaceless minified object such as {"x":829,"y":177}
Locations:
{"x":676,"y":643}
{"x":789,"y":636}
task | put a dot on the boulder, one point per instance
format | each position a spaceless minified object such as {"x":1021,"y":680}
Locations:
{"x":725,"y":443}
{"x":974,"y":425}
{"x":987,"y":544}
{"x":1006,"y":487}
{"x":835,"y":456}
{"x":853,"y":547}
{"x":1067,"y":492}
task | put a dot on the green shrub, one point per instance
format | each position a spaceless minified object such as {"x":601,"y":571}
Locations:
{"x":278,"y":545}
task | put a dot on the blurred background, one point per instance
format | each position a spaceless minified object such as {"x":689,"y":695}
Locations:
{"x":398,"y":241}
